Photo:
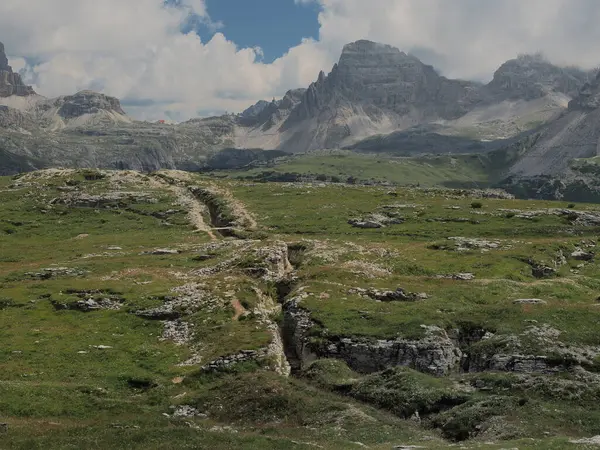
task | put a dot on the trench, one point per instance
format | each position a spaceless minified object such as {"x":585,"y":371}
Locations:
{"x":284,"y":289}
{"x":219,"y":221}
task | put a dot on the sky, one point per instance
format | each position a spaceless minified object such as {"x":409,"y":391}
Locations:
{"x":178,"y":59}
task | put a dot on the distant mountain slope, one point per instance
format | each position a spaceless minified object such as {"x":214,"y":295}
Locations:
{"x":574,"y":135}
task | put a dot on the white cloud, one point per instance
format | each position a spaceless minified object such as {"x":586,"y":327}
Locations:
{"x":469,"y":38}
{"x":134,"y":49}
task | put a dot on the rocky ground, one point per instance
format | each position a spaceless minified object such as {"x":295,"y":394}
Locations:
{"x":174,"y":311}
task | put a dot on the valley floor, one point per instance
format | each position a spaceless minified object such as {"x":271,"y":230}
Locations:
{"x":174,"y":311}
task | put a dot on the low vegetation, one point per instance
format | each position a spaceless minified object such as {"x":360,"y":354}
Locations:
{"x":131,"y":318}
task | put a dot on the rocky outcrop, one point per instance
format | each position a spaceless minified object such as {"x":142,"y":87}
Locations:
{"x":10,"y":82}
{"x":589,"y":96}
{"x":86,"y":102}
{"x":436,"y":353}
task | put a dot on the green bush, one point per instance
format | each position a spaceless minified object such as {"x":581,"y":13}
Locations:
{"x":405,"y":391}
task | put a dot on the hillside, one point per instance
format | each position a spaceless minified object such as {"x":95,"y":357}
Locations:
{"x":179,"y":311}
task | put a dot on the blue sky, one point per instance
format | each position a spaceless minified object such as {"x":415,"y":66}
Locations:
{"x":273,"y":25}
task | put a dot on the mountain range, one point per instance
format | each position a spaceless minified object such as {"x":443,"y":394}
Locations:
{"x":375,"y":99}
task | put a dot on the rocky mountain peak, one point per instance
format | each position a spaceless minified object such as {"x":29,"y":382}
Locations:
{"x":10,"y":82}
{"x":368,"y":47}
{"x":382,"y":79}
{"x":529,"y":77}
{"x":87,"y":102}
{"x":3,"y":59}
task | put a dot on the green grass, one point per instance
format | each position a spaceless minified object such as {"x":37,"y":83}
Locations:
{"x":58,"y":390}
{"x":340,"y":166}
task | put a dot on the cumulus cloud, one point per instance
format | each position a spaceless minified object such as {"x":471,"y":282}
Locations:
{"x":469,"y":38}
{"x":135,"y":49}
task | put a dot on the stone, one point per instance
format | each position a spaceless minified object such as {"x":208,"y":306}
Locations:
{"x":529,"y":301}
{"x":581,"y":255}
{"x":3,"y":427}
{"x":587,"y":441}
{"x":464,"y":244}
{"x":358,"y":223}
{"x":542,"y":271}
{"x":163,"y":251}
{"x":389,"y":296}
{"x":55,"y":272}
{"x":458,"y":276}
{"x":186,"y":412}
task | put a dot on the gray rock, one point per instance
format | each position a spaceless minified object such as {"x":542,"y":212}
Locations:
{"x":581,"y":255}
{"x":163,"y":251}
{"x":186,"y":412}
{"x":532,"y":76}
{"x":358,"y":223}
{"x":595,"y":441}
{"x":226,"y":362}
{"x":463,"y":244}
{"x":529,"y":301}
{"x":55,"y":272}
{"x":389,"y":296}
{"x":435,"y":354}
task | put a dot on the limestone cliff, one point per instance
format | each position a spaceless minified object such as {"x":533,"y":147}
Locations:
{"x":10,"y":82}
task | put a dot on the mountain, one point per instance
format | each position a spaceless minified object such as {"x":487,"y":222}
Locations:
{"x":10,"y":82}
{"x":376,"y":89}
{"x":375,"y":99}
{"x":564,"y":160}
{"x":90,"y":129}
{"x":532,"y":76}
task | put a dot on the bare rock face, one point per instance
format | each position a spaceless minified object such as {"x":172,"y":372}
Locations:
{"x":379,"y":78}
{"x":10,"y":82}
{"x":86,"y":102}
{"x":532,"y":76}
{"x":576,"y":134}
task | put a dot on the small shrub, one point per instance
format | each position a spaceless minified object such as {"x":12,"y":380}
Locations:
{"x":571,"y":205}
{"x":476,"y":205}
